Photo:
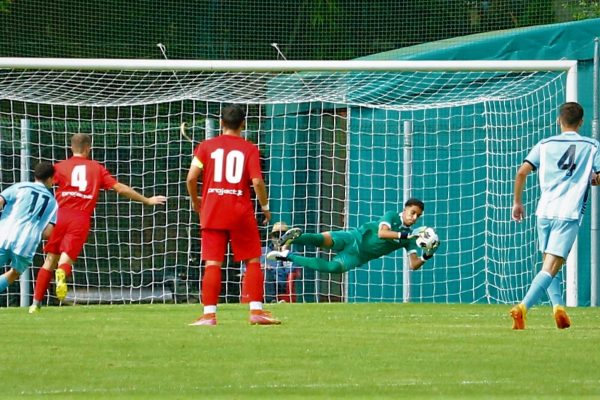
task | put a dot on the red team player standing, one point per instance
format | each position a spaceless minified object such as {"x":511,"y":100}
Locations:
{"x":229,"y":165}
{"x":79,"y":181}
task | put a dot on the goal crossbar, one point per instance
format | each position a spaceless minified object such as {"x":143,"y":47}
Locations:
{"x":285,"y":66}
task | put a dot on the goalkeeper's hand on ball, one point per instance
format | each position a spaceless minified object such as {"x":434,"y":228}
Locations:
{"x":429,"y":252}
{"x":429,"y":241}
{"x":417,"y":232}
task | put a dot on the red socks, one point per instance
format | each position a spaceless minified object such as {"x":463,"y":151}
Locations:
{"x":43,"y":281}
{"x":41,"y":284}
{"x":67,"y":268}
{"x":252,"y":284}
{"x":211,"y":285}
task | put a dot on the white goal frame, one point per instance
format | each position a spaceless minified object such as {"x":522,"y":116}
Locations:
{"x":568,"y":66}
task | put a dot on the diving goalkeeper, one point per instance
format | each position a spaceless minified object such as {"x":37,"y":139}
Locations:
{"x":357,"y":246}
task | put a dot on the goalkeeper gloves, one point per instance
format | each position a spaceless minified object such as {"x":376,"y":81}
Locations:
{"x":428,"y":253}
{"x":417,"y":232}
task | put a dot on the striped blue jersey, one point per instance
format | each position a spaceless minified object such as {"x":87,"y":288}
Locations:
{"x":565,"y":163}
{"x":28,"y":208}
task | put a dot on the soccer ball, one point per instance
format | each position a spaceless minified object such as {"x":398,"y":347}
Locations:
{"x":427,"y":239}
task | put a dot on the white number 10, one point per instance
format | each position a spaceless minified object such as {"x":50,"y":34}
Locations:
{"x":78,"y":177}
{"x":234,"y":165}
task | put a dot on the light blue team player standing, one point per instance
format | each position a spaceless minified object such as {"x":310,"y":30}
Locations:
{"x":28,"y":213}
{"x":567,"y":164}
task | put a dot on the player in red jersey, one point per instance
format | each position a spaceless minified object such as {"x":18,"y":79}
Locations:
{"x":229,"y":165}
{"x":79,"y":181}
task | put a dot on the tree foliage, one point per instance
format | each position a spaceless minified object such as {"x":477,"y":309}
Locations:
{"x":4,"y":5}
{"x":583,"y":9}
{"x":245,"y":29}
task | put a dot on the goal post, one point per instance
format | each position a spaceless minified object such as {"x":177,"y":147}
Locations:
{"x":332,"y":138}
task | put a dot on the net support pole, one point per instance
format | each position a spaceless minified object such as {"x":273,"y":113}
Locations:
{"x":595,"y":217}
{"x":25,"y":278}
{"x":407,"y":189}
{"x":210,"y":128}
{"x":572,"y":260}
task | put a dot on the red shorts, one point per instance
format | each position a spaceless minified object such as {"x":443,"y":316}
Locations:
{"x":70,"y":233}
{"x":245,"y":243}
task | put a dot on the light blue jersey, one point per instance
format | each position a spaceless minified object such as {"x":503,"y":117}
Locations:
{"x":565,"y":163}
{"x":28,"y":208}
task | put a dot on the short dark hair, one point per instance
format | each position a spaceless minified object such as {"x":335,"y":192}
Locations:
{"x":415,"y":202}
{"x":80,"y":141}
{"x":233,"y":116}
{"x":43,"y":171}
{"x":571,"y":114}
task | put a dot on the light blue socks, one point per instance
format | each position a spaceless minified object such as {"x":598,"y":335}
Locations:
{"x":554,"y":292}
{"x":539,"y":285}
{"x":3,"y":283}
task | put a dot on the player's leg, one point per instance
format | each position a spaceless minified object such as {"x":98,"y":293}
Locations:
{"x":347,"y":258}
{"x":4,"y":259}
{"x":65,"y":267}
{"x":214,"y":246}
{"x":245,"y":244}
{"x":539,"y":285}
{"x":71,"y":245}
{"x":7,"y":278}
{"x":336,"y":240}
{"x":558,"y":304}
{"x":288,"y":237}
{"x":253,"y":283}
{"x":18,"y":263}
{"x":542,"y":280}
{"x":317,"y":264}
{"x":322,"y":240}
{"x":52,"y":250}
{"x":555,"y":241}
{"x":561,"y":241}
{"x":43,"y":281}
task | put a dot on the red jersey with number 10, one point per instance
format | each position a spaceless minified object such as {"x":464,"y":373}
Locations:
{"x":79,"y":181}
{"x":229,"y":163}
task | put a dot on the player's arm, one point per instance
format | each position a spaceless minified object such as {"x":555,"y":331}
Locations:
{"x":385,"y":232}
{"x":416,"y":262}
{"x":595,"y":181}
{"x":191,"y":183}
{"x":261,"y":193}
{"x":2,"y":203}
{"x":520,"y":179}
{"x":130,"y":193}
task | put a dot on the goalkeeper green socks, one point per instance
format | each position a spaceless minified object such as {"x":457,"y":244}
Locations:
{"x":314,"y":239}
{"x":317,"y":264}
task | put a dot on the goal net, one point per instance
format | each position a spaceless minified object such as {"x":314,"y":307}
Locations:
{"x":334,"y":150}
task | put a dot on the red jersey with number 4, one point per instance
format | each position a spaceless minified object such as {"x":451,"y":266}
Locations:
{"x":79,"y":181}
{"x":229,"y":163}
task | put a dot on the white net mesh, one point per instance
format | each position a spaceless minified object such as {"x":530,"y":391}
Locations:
{"x":332,"y":145}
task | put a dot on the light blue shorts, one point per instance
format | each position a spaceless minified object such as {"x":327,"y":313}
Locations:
{"x":556,"y":236}
{"x":17,"y":262}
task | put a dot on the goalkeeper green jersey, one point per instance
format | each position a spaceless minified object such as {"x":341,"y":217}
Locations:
{"x":372,"y":247}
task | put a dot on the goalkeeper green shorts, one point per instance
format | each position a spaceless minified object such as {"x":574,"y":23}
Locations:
{"x":347,"y":246}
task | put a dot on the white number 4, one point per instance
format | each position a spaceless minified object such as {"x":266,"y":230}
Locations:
{"x":79,"y":178}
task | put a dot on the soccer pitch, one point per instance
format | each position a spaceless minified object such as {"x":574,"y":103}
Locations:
{"x":320,"y":351}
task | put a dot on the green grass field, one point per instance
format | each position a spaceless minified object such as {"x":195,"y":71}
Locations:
{"x":321,"y":351}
